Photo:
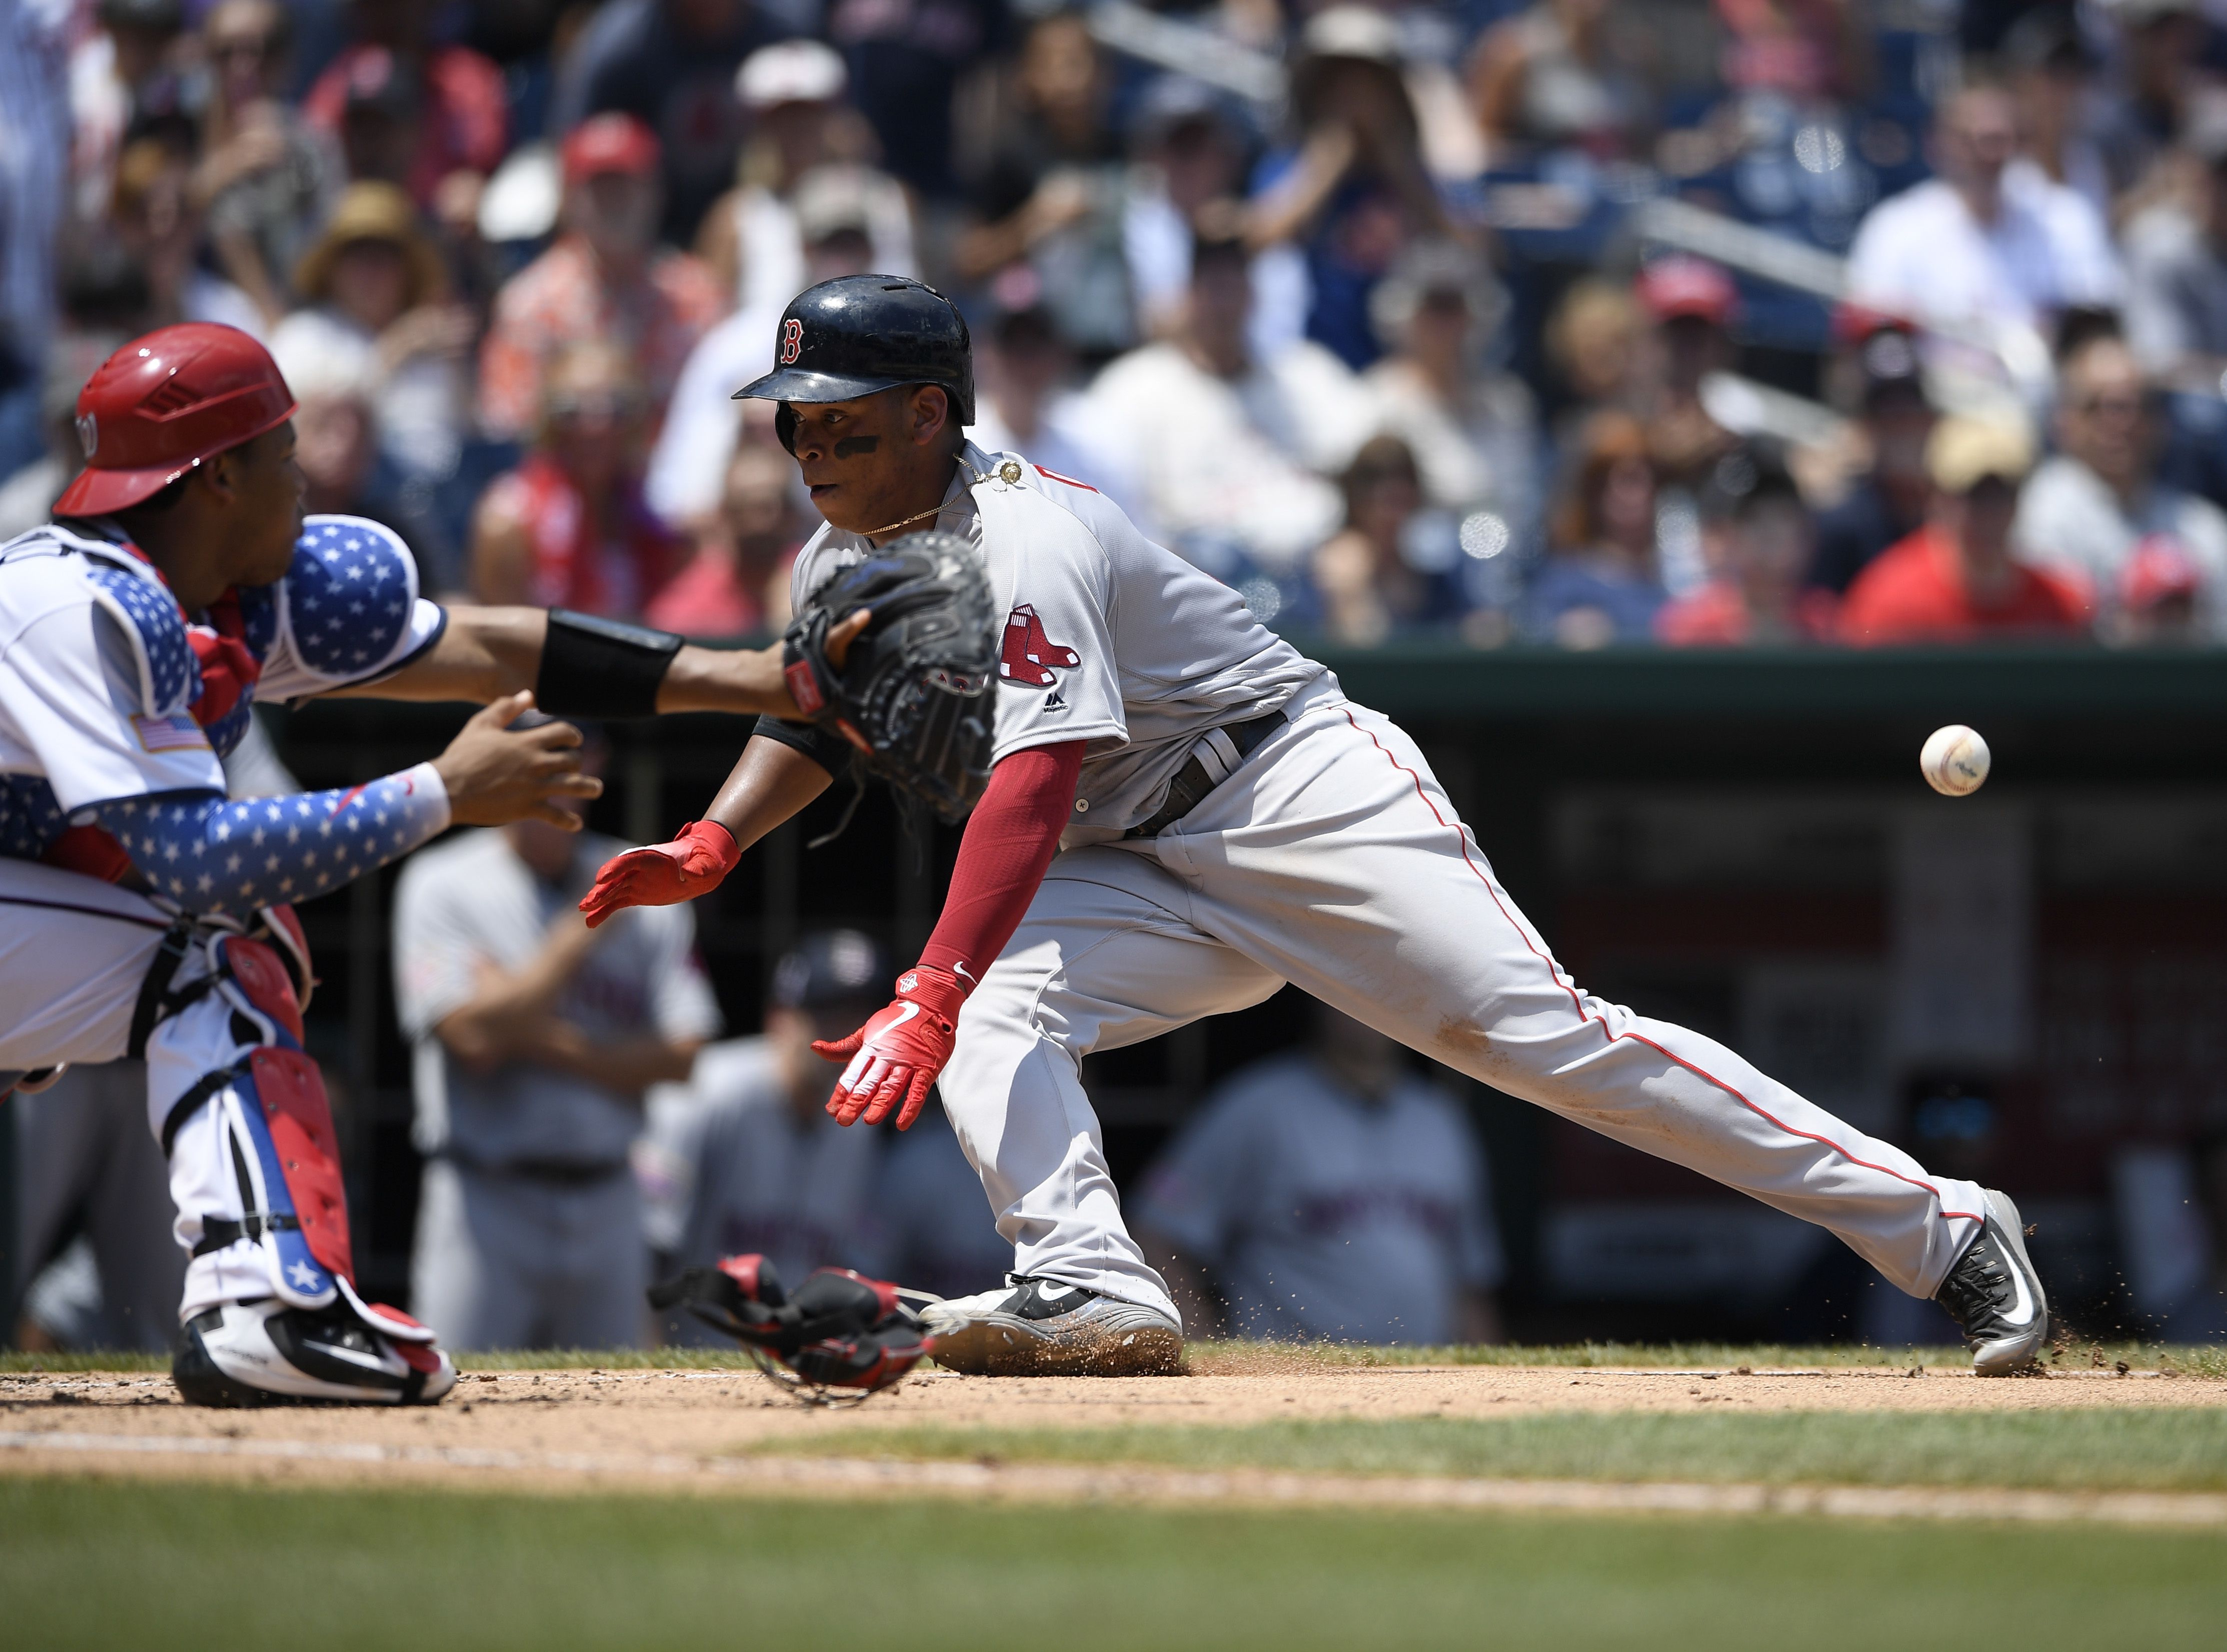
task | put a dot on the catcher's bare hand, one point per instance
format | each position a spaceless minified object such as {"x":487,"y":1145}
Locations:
{"x":496,"y":774}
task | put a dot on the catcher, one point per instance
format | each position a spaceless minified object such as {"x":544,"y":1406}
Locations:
{"x":143,"y":912}
{"x":1224,"y":820}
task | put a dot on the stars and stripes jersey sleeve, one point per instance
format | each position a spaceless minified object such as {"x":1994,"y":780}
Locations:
{"x":347,"y":611}
{"x":217,"y":854}
{"x":77,"y":704}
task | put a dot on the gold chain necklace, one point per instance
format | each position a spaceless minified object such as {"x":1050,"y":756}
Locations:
{"x":977,"y":479}
{"x":875,"y":533}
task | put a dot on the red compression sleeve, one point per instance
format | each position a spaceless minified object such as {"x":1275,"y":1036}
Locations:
{"x":1010,"y":840}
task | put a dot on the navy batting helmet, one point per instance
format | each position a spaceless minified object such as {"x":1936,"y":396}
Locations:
{"x":856,"y":334}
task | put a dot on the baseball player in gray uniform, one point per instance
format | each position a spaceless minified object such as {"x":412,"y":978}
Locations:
{"x":534,"y":1041}
{"x":1329,"y":1193}
{"x":1186,"y":813}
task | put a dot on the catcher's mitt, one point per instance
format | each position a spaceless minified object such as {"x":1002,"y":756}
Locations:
{"x":837,"y":1338}
{"x":915,"y":694}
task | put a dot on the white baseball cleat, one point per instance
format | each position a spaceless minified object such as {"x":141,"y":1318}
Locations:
{"x":1994,"y":1294}
{"x":263,"y":1353}
{"x":1035,"y":1327}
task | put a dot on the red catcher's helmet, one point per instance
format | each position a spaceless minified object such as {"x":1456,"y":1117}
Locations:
{"x":163,"y":404}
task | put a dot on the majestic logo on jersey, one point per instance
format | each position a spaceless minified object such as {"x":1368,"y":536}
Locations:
{"x":792,"y":340}
{"x":1029,"y":656}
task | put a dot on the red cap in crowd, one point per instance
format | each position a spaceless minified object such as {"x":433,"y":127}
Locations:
{"x":163,"y":404}
{"x":1854,"y":323}
{"x":611,"y":143}
{"x":1682,"y":286}
{"x":2160,"y":570}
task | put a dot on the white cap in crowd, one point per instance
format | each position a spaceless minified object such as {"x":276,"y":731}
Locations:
{"x":795,"y":71}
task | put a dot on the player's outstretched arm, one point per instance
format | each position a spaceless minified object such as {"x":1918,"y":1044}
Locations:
{"x":1011,"y":838}
{"x":770,"y":783}
{"x":580,"y":666}
{"x":218,"y":854}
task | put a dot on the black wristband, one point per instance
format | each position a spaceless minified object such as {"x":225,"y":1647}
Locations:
{"x":598,"y":667}
{"x":824,"y":746}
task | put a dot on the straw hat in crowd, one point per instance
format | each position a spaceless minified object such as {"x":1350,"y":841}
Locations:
{"x":373,"y":212}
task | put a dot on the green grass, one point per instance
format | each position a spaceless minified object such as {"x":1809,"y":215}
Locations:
{"x":2161,"y":1449}
{"x":1211,"y":1358}
{"x":14,"y":1362}
{"x":94,"y":1564}
{"x":2203,"y":1359}
{"x":1707,"y":1356}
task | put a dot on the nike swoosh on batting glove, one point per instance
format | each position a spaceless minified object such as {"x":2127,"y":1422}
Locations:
{"x":896,"y":1056}
{"x":663,"y":874}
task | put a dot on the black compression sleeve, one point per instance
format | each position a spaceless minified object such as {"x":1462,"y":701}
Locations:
{"x":601,"y":668}
{"x":831,"y":751}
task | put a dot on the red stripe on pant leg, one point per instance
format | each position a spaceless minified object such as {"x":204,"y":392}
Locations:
{"x":1579,"y":1004}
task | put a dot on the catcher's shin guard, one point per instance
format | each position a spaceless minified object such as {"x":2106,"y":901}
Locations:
{"x":274,"y":1125}
{"x":271,"y":1313}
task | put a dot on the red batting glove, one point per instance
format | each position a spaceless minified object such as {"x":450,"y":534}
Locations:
{"x":896,"y":1056}
{"x":663,"y":874}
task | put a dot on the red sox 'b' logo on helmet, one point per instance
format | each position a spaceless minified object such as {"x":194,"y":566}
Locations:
{"x":1028,"y":655}
{"x":792,"y":340}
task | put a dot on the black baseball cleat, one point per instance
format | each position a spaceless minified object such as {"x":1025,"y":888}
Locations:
{"x":1036,"y":1327}
{"x":263,"y":1353}
{"x":1994,"y":1294}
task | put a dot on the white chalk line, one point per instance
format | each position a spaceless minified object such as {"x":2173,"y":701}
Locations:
{"x":1068,"y":1484}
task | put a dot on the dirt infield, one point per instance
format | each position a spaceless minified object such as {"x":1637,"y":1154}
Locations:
{"x":560,"y":1429}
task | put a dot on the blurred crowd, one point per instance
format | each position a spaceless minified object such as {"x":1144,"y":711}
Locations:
{"x":1691,"y":322}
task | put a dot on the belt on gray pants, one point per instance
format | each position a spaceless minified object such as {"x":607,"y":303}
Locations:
{"x":550,"y":1172}
{"x":1209,"y":765}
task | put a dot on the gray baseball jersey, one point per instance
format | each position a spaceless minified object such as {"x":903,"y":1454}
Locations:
{"x":1109,"y":638}
{"x":471,"y":902}
{"x":1325,"y":1216}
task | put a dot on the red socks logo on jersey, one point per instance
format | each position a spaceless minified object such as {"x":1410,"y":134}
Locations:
{"x":1029,"y":656}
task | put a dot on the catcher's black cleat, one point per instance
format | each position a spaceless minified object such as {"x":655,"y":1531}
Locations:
{"x":1994,"y":1294}
{"x":1038,"y":1327}
{"x":263,"y":1353}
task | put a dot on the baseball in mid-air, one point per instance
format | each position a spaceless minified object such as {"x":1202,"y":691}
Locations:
{"x":1955,"y":761}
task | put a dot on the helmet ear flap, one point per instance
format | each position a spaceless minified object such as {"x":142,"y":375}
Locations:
{"x":784,"y":426}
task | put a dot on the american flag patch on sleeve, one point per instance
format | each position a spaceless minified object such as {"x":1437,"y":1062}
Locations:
{"x":179,"y":733}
